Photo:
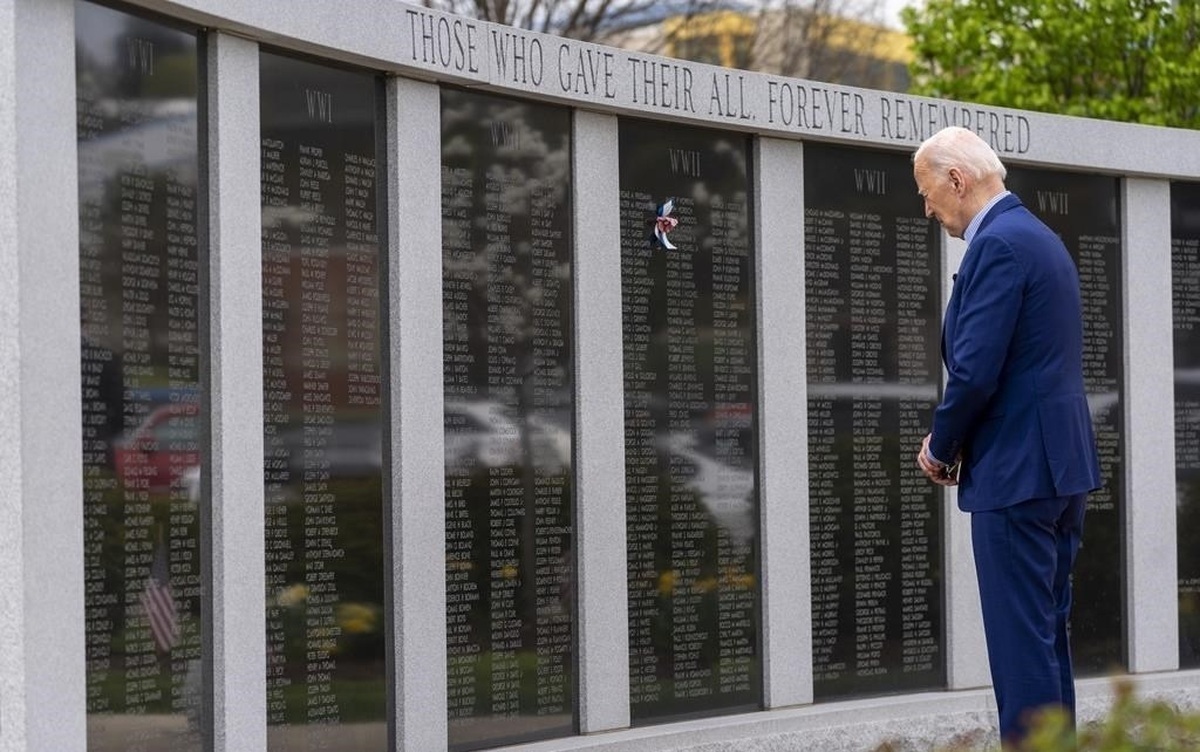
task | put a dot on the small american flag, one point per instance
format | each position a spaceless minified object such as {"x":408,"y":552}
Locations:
{"x":159,"y":605}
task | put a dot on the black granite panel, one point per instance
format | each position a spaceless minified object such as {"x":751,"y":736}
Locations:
{"x":139,"y":264}
{"x":322,"y":394}
{"x":873,"y":286}
{"x":1185,"y":286}
{"x":691,"y":454}
{"x":1084,"y":211}
{"x":507,"y":291}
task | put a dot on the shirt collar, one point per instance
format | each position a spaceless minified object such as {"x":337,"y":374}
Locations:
{"x":973,"y":227}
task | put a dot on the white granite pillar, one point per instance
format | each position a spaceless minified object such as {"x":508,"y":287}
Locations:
{"x":235,"y":396}
{"x":783,"y":424}
{"x":1152,"y":591}
{"x":42,"y":659}
{"x":416,"y":456}
{"x":601,"y":559}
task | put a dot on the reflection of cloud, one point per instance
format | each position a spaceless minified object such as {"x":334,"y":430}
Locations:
{"x":725,"y":491}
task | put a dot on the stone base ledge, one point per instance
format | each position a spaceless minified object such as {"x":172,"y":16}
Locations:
{"x":910,"y":723}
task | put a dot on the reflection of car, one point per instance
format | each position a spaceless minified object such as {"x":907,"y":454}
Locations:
{"x":158,"y":454}
{"x":488,"y":434}
{"x":163,"y":453}
{"x":346,"y":448}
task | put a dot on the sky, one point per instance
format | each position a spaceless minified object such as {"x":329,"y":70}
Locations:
{"x":892,"y":11}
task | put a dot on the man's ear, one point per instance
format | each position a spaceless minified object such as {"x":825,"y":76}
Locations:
{"x":956,"y":180}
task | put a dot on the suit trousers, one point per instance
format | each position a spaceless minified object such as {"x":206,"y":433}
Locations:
{"x":1023,"y":560}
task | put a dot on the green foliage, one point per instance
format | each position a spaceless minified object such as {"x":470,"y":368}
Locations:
{"x":1131,"y":60}
{"x":1132,"y":725}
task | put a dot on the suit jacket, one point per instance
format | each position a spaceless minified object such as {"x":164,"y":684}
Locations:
{"x":1012,"y":342}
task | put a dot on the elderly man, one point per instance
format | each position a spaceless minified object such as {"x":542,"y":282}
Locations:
{"x":1013,"y":430}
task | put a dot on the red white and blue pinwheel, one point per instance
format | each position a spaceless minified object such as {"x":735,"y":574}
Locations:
{"x":664,"y":223}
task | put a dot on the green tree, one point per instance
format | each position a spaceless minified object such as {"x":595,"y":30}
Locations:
{"x":1132,"y":60}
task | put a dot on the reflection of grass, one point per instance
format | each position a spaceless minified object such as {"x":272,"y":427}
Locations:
{"x":153,"y":697}
{"x":358,"y":701}
{"x":656,"y":696}
{"x":128,"y":650}
{"x":524,"y":665}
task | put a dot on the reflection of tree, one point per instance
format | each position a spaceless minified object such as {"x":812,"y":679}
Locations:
{"x":507,"y":278}
{"x":689,"y":362}
{"x":137,"y":163}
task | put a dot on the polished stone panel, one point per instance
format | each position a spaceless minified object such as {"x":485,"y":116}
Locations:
{"x":1084,"y":210}
{"x":508,"y":351}
{"x":1185,"y":287}
{"x":139,"y":262}
{"x":691,"y":447}
{"x":322,"y":393}
{"x":872,"y":276}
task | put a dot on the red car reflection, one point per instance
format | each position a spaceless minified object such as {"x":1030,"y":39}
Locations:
{"x":158,"y":453}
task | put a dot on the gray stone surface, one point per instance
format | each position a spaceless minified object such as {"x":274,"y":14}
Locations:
{"x":235,"y":396}
{"x":1153,"y":599}
{"x":600,"y":430}
{"x":966,"y":651}
{"x":917,"y":723}
{"x":783,"y":420}
{"x":415,"y":433}
{"x":42,"y":691}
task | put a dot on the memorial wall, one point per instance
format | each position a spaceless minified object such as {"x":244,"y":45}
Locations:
{"x":683,"y":201}
{"x":1085,"y":212}
{"x":508,"y":383}
{"x":136,"y":87}
{"x":322,"y":434}
{"x":691,"y":450}
{"x":1185,"y":288}
{"x":872,"y":294}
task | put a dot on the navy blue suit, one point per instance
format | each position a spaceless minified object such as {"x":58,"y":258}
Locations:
{"x":1015,"y":409}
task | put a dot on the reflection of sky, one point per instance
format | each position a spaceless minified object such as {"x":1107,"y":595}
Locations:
{"x":98,"y":30}
{"x":154,"y":144}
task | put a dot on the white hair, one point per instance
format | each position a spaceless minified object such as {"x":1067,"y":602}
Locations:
{"x":958,"y":147}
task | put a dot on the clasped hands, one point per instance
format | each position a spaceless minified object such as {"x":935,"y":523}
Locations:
{"x":938,"y":472}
